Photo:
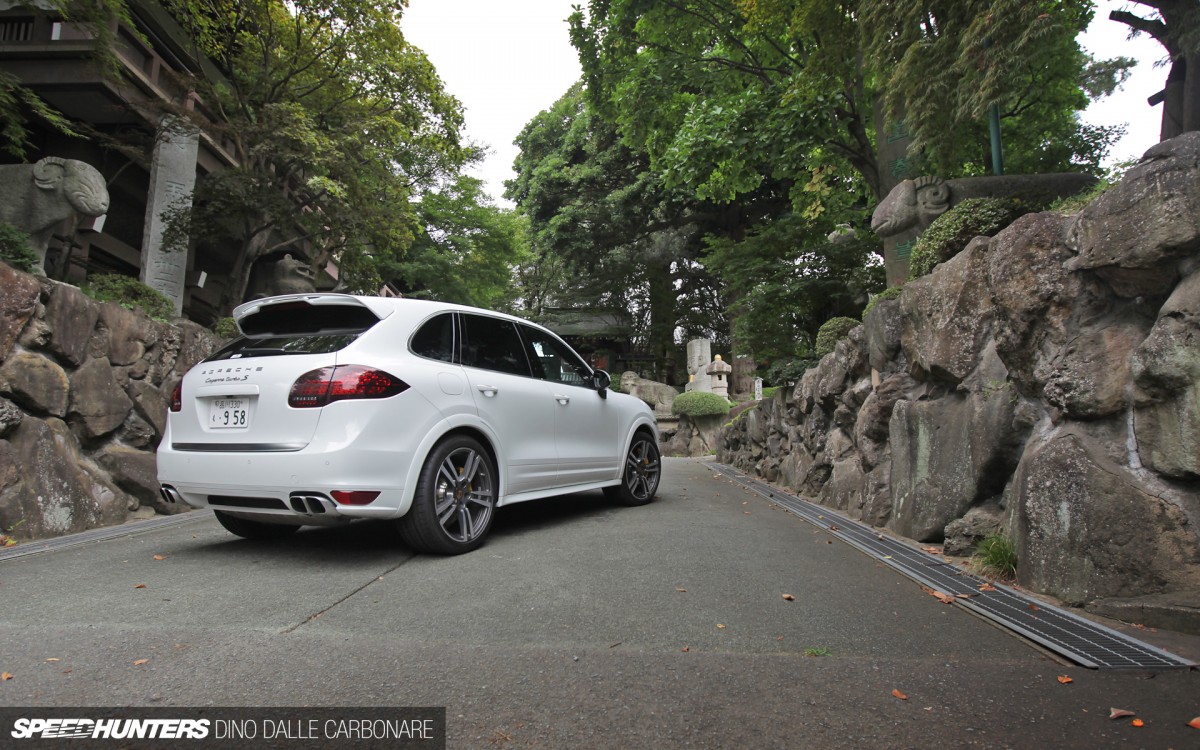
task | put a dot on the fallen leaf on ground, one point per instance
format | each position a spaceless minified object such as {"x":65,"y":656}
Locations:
{"x":1137,"y":723}
{"x":1034,"y":608}
{"x":681,"y":589}
{"x":54,"y":658}
{"x":140,"y":586}
{"x":1117,"y":713}
{"x":789,"y":597}
{"x":943,"y":598}
{"x":5,"y":676}
{"x":1194,"y":723}
{"x":899,"y":694}
{"x":834,"y":528}
{"x":965,"y":596}
{"x":987,"y":587}
{"x":1064,"y":679}
{"x":160,"y":557}
{"x":685,"y":648}
{"x":933,"y":550}
{"x":720,"y":626}
{"x":140,"y":662}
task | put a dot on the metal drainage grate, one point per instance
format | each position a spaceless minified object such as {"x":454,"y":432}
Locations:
{"x":98,"y":535}
{"x":1085,"y":642}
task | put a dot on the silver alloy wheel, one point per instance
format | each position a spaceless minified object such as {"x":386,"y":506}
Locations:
{"x":465,"y":495}
{"x":642,"y":467}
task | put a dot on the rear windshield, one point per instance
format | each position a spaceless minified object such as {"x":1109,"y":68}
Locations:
{"x":299,"y":317}
{"x":271,"y":346}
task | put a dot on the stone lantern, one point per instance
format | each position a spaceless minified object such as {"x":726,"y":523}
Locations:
{"x":718,"y":373}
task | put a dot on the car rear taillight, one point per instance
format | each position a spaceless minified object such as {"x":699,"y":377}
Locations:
{"x":328,"y":384}
{"x":177,"y":397}
{"x":354,"y":497}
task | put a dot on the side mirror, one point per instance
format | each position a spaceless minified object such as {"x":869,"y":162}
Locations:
{"x":600,"y":381}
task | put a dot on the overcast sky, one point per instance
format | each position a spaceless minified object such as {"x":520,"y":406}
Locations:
{"x":507,"y":61}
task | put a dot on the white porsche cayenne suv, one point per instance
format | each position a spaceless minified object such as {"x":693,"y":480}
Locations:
{"x":332,"y":407}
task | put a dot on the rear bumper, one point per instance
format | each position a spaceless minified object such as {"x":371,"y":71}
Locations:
{"x":293,"y":487}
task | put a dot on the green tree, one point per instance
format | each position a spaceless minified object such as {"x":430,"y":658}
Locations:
{"x":334,"y":122}
{"x":466,"y":251}
{"x":942,"y":64}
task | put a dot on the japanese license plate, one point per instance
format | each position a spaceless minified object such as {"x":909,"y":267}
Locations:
{"x":229,"y":413}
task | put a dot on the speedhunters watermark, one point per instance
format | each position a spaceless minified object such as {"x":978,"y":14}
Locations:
{"x":224,"y":727}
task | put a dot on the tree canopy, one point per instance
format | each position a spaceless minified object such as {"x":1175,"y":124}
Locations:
{"x":335,"y":122}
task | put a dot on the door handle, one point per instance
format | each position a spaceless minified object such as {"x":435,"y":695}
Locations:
{"x":564,"y":400}
{"x":487,"y":390}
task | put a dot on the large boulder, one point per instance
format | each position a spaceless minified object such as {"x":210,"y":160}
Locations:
{"x":1135,"y":232}
{"x":948,"y":455}
{"x":19,"y":295}
{"x":1166,"y":376}
{"x":35,"y":383}
{"x":1089,"y":528}
{"x":659,"y":396}
{"x":71,"y":317}
{"x":98,"y":403}
{"x":948,"y":316}
{"x":58,"y":490}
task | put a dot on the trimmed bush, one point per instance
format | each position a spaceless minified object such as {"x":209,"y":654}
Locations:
{"x":15,"y":249}
{"x":700,"y":404}
{"x":833,"y":331}
{"x":950,"y":232}
{"x":129,"y":293}
{"x":226,"y":328}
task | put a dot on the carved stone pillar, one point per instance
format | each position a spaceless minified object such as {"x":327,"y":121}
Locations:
{"x":172,"y":180}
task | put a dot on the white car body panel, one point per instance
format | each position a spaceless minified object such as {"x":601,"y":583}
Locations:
{"x":547,"y":438}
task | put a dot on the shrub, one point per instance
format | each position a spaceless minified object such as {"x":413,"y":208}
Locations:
{"x":833,"y":331}
{"x":129,"y":293}
{"x":950,"y":232}
{"x":892,"y":292}
{"x":700,"y":404}
{"x":997,"y":555}
{"x":226,"y":328}
{"x":788,"y":370}
{"x":15,"y":249}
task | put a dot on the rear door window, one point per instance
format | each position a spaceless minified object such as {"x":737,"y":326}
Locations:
{"x":493,"y":344}
{"x":273,"y":346}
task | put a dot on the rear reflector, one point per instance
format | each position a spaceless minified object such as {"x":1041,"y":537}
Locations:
{"x":354,"y":497}
{"x":328,"y":384}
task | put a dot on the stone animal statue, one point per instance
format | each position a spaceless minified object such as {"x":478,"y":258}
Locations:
{"x":288,"y":276}
{"x":37,"y":198}
{"x":659,"y":396}
{"x":914,"y":204}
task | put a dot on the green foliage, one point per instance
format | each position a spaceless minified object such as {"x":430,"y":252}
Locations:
{"x":700,"y":404}
{"x":15,"y":249}
{"x":892,"y":292}
{"x":942,"y":64}
{"x":770,"y":391}
{"x":833,"y":331}
{"x":466,"y":250}
{"x":817,"y":651}
{"x":786,"y":371}
{"x":953,"y":230}
{"x":997,"y":555}
{"x":129,"y":293}
{"x":335,"y":121}
{"x":226,"y":328}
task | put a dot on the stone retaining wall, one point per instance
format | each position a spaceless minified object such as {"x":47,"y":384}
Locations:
{"x":84,"y":391}
{"x":1044,"y":384}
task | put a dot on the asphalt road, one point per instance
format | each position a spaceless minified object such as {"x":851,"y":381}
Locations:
{"x":578,"y":625}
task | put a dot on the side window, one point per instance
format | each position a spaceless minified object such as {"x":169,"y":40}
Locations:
{"x":493,"y":344}
{"x":435,"y":338}
{"x":553,"y":360}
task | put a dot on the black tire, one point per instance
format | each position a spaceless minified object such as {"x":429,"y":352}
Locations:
{"x":248,"y":529}
{"x":455,"y":499}
{"x":642,"y":472}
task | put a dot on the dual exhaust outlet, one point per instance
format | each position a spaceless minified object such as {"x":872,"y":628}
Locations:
{"x":302,"y":503}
